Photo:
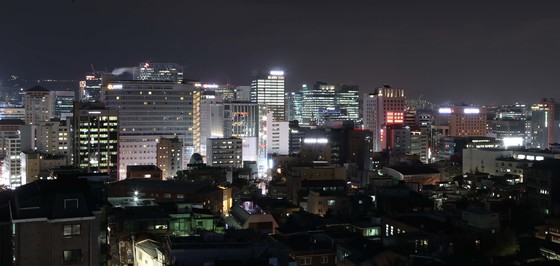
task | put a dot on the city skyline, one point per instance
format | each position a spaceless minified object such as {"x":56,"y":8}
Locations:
{"x":479,"y":52}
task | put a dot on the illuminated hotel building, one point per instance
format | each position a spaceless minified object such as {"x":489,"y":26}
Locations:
{"x":150,"y":110}
{"x":376,"y":105}
{"x":95,"y":136}
{"x":268,"y":89}
{"x":465,"y":121}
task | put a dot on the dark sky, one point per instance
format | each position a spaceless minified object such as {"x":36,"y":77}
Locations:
{"x":447,"y":51}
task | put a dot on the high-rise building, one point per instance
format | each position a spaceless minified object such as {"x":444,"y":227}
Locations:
{"x":243,"y":93}
{"x":96,"y":135}
{"x":277,"y":136}
{"x":268,"y":89}
{"x":55,"y":137}
{"x":169,"y":157}
{"x":90,"y":89}
{"x":150,"y":110}
{"x":63,"y":103}
{"x":464,"y":121}
{"x":159,"y":72}
{"x":211,"y":118}
{"x":38,"y":105}
{"x":325,"y":102}
{"x":294,"y":106}
{"x":543,"y":120}
{"x":375,"y":107}
{"x":241,"y":120}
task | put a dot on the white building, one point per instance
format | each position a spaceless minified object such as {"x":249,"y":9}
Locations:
{"x":277,"y":136}
{"x":268,"y":89}
{"x":148,"y":111}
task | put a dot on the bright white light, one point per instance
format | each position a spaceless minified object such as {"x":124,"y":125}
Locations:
{"x":320,"y":141}
{"x":135,"y":193}
{"x":94,"y":112}
{"x":471,"y":111}
{"x":512,"y":141}
{"x":445,"y":110}
{"x":277,"y":73}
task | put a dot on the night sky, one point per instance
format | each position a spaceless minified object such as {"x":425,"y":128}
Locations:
{"x":480,"y":52}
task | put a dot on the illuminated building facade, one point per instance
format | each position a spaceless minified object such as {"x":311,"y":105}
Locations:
{"x":277,"y":136}
{"x":169,"y":157}
{"x":268,"y":89}
{"x":543,"y":123}
{"x":211,"y":118}
{"x":465,"y":121}
{"x":90,"y":89}
{"x":225,"y":152}
{"x":375,"y":107}
{"x":158,"y":72}
{"x":63,"y":102}
{"x":96,"y":135}
{"x":55,"y":137}
{"x":38,"y":105}
{"x":324,"y":102}
{"x":150,"y":110}
{"x":241,"y":120}
{"x":12,"y":113}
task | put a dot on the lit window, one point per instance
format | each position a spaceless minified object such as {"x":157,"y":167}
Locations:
{"x":71,"y":230}
{"x":72,"y":255}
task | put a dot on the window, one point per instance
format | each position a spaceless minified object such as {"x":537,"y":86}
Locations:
{"x":331,"y":202}
{"x":167,"y":195}
{"x":70,"y":203}
{"x":324,"y":259}
{"x":305,"y":261}
{"x":72,"y":255}
{"x":71,"y":230}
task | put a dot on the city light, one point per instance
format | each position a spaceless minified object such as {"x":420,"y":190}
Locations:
{"x":445,"y":110}
{"x":277,"y":72}
{"x":313,"y":140}
{"x":471,"y":111}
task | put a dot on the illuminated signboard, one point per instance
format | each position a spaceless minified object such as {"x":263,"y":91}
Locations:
{"x":115,"y":87}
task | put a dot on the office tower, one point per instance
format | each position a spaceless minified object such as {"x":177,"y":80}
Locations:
{"x":241,"y":120}
{"x":348,"y":101}
{"x":511,"y":124}
{"x":243,"y":93}
{"x":294,"y":106}
{"x":90,"y":89}
{"x":277,"y":136}
{"x":63,"y":103}
{"x":464,"y":121}
{"x":96,"y":135}
{"x":543,"y":123}
{"x":225,"y":152}
{"x":211,"y":118}
{"x":158,"y":72}
{"x":326,"y":102}
{"x":375,"y":107}
{"x":225,"y":91}
{"x":148,"y":111}
{"x":38,"y":105}
{"x":169,"y":157}
{"x":54,"y":137}
{"x":318,"y":103}
{"x":268,"y":89}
